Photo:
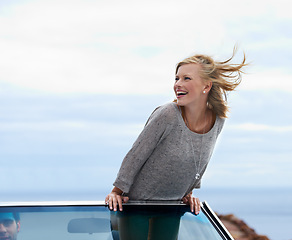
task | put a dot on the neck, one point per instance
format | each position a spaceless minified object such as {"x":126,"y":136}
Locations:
{"x":197,"y":118}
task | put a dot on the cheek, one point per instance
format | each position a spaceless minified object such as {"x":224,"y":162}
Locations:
{"x":174,"y":86}
{"x":11,"y":231}
{"x":194,"y":87}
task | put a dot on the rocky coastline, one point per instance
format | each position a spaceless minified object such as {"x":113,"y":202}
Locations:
{"x":239,"y":229}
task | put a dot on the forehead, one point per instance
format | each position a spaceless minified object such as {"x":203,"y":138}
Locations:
{"x":6,"y":216}
{"x":189,"y":69}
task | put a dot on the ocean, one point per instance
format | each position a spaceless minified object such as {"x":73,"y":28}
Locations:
{"x":267,"y":211}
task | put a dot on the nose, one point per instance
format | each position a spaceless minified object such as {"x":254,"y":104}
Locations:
{"x":177,"y":83}
{"x":2,"y":228}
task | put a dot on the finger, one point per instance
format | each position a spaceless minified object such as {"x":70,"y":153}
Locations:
{"x":185,"y":200}
{"x":120,"y":203}
{"x":125,"y":199}
{"x":110,"y":203}
{"x":192,"y":204}
{"x":115,"y":203}
{"x":107,"y":199}
{"x":197,"y":206}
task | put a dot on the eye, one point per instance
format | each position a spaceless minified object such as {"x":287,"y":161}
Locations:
{"x":176,"y":78}
{"x":7,"y":222}
{"x":187,"y":78}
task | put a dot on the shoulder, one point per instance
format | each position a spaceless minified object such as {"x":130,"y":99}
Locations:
{"x":220,"y":124}
{"x":166,"y":109}
{"x":220,"y":120}
{"x":166,"y":112}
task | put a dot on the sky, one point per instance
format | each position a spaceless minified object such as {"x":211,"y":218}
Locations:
{"x":79,"y":78}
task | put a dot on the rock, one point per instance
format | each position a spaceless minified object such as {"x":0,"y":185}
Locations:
{"x":239,"y":229}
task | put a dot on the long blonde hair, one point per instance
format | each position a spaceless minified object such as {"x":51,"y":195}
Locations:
{"x":225,"y":77}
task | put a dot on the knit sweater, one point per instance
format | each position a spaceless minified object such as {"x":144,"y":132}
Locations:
{"x":163,"y":161}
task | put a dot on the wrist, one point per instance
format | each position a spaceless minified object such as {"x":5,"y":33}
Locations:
{"x":117,"y":191}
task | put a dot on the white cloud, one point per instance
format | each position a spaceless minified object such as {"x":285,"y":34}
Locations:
{"x":126,"y":47}
{"x":69,"y":128}
{"x":91,"y":46}
{"x":269,"y":79}
{"x":259,"y":127}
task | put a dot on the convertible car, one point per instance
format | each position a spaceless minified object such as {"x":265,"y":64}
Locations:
{"x":93,"y":220}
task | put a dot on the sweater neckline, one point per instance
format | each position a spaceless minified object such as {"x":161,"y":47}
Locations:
{"x":189,"y":130}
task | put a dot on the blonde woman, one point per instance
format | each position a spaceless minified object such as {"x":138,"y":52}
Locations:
{"x":170,"y":156}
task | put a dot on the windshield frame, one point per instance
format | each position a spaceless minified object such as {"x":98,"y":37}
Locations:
{"x":56,"y":205}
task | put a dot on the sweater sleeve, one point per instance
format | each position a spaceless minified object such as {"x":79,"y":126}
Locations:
{"x":155,"y":130}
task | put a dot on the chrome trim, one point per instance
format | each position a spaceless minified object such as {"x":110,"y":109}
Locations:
{"x":52,"y":203}
{"x":215,"y":221}
{"x":222,"y":230}
{"x":157,"y":203}
{"x":86,"y":203}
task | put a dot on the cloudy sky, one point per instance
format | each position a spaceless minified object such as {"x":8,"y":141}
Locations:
{"x":79,"y":78}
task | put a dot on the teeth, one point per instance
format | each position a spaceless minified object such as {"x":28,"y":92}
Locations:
{"x":181,"y":93}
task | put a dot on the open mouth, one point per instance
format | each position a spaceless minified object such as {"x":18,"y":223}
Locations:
{"x":181,"y":93}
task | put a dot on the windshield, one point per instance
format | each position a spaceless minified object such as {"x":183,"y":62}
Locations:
{"x":97,"y":222}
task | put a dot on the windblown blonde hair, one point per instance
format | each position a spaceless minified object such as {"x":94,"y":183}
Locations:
{"x":225,"y":77}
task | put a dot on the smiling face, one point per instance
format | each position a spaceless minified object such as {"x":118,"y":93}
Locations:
{"x":189,"y":87}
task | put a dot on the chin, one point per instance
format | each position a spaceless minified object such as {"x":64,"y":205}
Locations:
{"x":180,"y":103}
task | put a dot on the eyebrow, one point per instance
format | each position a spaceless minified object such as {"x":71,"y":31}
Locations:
{"x":185,"y":75}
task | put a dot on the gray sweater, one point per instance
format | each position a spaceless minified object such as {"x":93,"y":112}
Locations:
{"x":166,"y":156}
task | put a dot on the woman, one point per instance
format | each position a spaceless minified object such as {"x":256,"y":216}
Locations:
{"x":170,"y":156}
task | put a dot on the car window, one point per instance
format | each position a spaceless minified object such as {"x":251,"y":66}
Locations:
{"x":97,"y":222}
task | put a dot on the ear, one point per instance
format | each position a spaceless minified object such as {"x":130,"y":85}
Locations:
{"x":208,"y":87}
{"x":18,"y":226}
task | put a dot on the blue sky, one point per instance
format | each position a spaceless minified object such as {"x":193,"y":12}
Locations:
{"x":78,"y":80}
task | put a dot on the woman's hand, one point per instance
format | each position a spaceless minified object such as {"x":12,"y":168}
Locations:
{"x":193,"y":202}
{"x":115,"y":199}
